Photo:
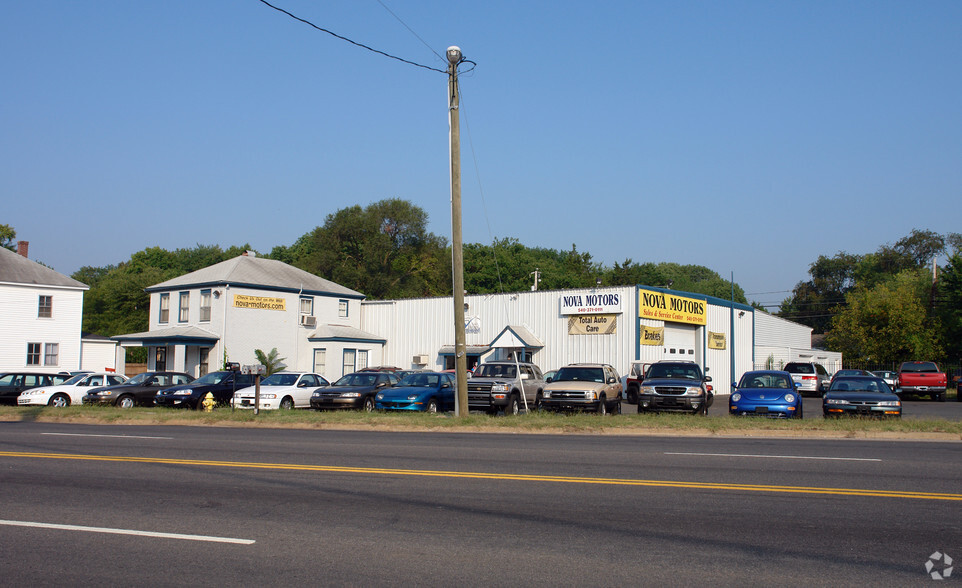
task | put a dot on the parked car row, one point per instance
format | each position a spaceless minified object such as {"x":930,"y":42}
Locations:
{"x":776,"y":394}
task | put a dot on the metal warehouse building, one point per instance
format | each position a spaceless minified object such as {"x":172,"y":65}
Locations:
{"x":608,"y":325}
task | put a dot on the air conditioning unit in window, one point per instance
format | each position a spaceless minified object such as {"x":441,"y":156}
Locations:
{"x":308,"y":320}
{"x":420,"y":360}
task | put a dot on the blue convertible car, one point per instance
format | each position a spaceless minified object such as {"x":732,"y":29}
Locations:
{"x":766,"y":393}
{"x":424,"y":391}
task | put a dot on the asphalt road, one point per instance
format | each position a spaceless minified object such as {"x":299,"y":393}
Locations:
{"x":443,"y":509}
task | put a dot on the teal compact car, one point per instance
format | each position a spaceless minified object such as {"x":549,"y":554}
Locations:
{"x":422,"y":391}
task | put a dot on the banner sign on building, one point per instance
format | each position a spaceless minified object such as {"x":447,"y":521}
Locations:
{"x":671,"y":308}
{"x":259,"y":302}
{"x":716,"y":340}
{"x":590,"y":303}
{"x":652,"y":335}
{"x":595,"y":324}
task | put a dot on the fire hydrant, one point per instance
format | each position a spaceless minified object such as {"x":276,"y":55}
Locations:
{"x":208,"y":402}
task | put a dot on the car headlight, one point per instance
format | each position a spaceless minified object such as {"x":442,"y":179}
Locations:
{"x":268,"y":396}
{"x":500,"y":388}
{"x":836,"y":401}
{"x":380,"y":396}
{"x":890,"y":403}
{"x":547,"y":394}
{"x":736,"y":397}
{"x":647,"y":389}
{"x":413,"y":397}
{"x":104,"y":393}
{"x":591,"y":395}
{"x":351,"y":395}
{"x":181,"y":392}
{"x":789,"y":398}
{"x":693,"y":391}
{"x":34,"y":392}
{"x":316,"y":395}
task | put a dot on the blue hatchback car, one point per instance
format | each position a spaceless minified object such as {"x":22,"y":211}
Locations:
{"x":423,"y":391}
{"x":766,"y":393}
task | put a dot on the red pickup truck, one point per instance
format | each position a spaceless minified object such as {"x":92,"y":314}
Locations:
{"x":922,"y":377}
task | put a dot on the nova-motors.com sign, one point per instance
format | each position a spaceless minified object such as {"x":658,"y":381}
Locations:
{"x":591,"y":303}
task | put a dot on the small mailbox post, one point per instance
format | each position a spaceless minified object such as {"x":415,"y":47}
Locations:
{"x":258,"y":370}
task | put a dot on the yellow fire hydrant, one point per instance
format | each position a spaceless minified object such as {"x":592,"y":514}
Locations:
{"x":208,"y":402}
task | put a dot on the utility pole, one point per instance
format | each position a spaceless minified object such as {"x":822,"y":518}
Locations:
{"x":457,"y":261}
{"x":537,"y":275}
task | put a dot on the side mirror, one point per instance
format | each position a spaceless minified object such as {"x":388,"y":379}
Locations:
{"x":548,"y":380}
{"x":707,"y":379}
{"x":734,"y":386}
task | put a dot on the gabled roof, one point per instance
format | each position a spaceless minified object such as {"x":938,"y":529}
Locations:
{"x":257,"y":272}
{"x":17,"y":269}
{"x":344,"y":333}
{"x":515,"y":336}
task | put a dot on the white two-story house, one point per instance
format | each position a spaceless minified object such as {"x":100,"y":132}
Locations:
{"x":41,"y":311}
{"x":222,"y":313}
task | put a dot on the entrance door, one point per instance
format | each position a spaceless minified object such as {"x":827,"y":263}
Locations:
{"x":160,"y":360}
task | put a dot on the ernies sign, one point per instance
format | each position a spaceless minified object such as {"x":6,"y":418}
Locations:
{"x":671,"y":308}
{"x":590,"y":303}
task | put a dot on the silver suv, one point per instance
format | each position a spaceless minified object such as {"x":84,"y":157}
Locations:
{"x":810,"y":377}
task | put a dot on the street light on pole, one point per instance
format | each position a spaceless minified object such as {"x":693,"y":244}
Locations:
{"x":457,"y":255}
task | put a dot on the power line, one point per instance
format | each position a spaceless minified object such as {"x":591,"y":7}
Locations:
{"x":361,"y":45}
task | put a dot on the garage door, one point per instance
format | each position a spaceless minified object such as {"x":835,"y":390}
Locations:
{"x":680,"y":341}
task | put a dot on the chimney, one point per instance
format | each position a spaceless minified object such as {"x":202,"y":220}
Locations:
{"x":22,"y":248}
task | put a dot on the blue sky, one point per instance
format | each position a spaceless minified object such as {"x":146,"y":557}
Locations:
{"x":749,"y":137}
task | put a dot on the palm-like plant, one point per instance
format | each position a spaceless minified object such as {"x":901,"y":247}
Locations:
{"x":271,"y":361}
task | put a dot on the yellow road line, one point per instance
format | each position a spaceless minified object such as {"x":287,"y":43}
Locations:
{"x":493,"y":476}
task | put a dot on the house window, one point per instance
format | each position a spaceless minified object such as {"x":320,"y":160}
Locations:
{"x":164,"y":308}
{"x":361,"y":359}
{"x":204,"y":352}
{"x":347,"y":366}
{"x":183,"y":306}
{"x":204,"y":306}
{"x":342,"y":308}
{"x":33,"y":353}
{"x":45,"y":309}
{"x":320,"y":361}
{"x":51,"y":355}
{"x":307,"y":306}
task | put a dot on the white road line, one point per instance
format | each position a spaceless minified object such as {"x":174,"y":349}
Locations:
{"x":776,"y":456}
{"x":128,"y":532}
{"x":115,"y":436}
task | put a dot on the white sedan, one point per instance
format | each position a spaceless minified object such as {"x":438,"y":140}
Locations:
{"x":282,"y":390}
{"x":69,"y":392}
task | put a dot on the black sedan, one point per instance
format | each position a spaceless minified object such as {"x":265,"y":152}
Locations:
{"x":355,"y":390}
{"x":221,"y":385}
{"x":861,"y":396}
{"x":139,"y":390}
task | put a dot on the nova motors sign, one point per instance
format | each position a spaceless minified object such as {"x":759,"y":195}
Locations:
{"x":261,"y":302}
{"x":671,"y":308}
{"x":591,"y":303}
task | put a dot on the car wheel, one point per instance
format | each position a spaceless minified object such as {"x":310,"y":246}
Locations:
{"x":942,"y":397}
{"x":126,"y":401}
{"x":602,"y":406}
{"x":432,"y":406}
{"x":539,"y":403}
{"x":616,"y":409}
{"x":513,"y":407}
{"x":633,"y":395}
{"x":369,"y":404}
{"x":59,"y":400}
{"x":287,"y":403}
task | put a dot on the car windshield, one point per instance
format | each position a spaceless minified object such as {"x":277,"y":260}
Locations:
{"x":212,"y":378}
{"x":673,"y":371}
{"x":496,"y":370}
{"x":580,"y":374}
{"x":800,"y":368}
{"x":139,"y":378}
{"x":280,"y":380}
{"x":751,"y":380}
{"x":75,"y":380}
{"x":859,"y":385}
{"x":420,"y":381}
{"x":357,"y":379}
